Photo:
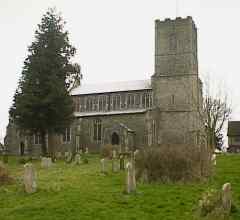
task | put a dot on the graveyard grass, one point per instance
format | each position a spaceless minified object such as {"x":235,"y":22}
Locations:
{"x":67,"y":191}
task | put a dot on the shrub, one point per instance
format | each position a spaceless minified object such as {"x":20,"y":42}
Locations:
{"x":210,"y":206}
{"x":4,"y":175}
{"x":24,"y":160}
{"x":85,"y":160}
{"x":106,"y":150}
{"x":169,"y":163}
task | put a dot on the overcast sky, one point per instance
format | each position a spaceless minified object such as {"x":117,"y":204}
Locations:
{"x":115,"y":40}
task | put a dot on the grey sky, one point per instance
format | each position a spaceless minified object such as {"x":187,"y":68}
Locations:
{"x":115,"y":39}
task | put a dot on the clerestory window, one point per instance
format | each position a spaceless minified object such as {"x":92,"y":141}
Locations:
{"x":97,"y":130}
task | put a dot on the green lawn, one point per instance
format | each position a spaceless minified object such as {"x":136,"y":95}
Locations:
{"x":73,"y":192}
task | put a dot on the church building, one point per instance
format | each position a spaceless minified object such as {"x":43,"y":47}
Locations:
{"x":162,"y":110}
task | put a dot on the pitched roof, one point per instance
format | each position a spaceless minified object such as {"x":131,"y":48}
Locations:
{"x":234,"y":128}
{"x":128,"y":111}
{"x":112,"y":87}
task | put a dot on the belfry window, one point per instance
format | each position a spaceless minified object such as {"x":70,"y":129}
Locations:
{"x":97,"y":130}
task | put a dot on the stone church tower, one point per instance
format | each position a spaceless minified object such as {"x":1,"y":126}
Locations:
{"x":177,"y":92}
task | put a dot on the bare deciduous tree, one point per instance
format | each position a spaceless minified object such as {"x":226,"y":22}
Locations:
{"x":217,"y":110}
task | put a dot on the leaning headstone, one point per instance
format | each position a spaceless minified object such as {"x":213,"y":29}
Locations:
{"x":130,"y":186}
{"x":103,"y":167}
{"x":214,"y":159}
{"x":77,"y":159}
{"x":29,"y":178}
{"x":122,"y":162}
{"x":226,"y":197}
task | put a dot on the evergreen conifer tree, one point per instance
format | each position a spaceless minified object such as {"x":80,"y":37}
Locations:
{"x":42,"y":103}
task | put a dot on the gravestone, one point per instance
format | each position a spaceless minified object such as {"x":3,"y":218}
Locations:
{"x":226,"y":197}
{"x":29,"y":178}
{"x":46,"y":162}
{"x":68,"y":157}
{"x":130,"y":178}
{"x":114,"y":154}
{"x":77,"y":159}
{"x":59,"y":155}
{"x":81,"y":151}
{"x":214,"y":159}
{"x":86,"y":150}
{"x":103,"y":168}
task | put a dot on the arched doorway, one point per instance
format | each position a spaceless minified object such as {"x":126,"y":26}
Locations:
{"x":115,"y":139}
{"x":22,"y":148}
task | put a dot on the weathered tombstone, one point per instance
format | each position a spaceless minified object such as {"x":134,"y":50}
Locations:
{"x":46,"y":162}
{"x":114,"y":154}
{"x":86,"y":150}
{"x":103,"y":168}
{"x":130,"y":178}
{"x":214,"y":159}
{"x":226,"y":197}
{"x":66,"y":155}
{"x":122,"y":162}
{"x":81,"y":151}
{"x":77,"y":159}
{"x":29,"y":178}
{"x":59,"y":155}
